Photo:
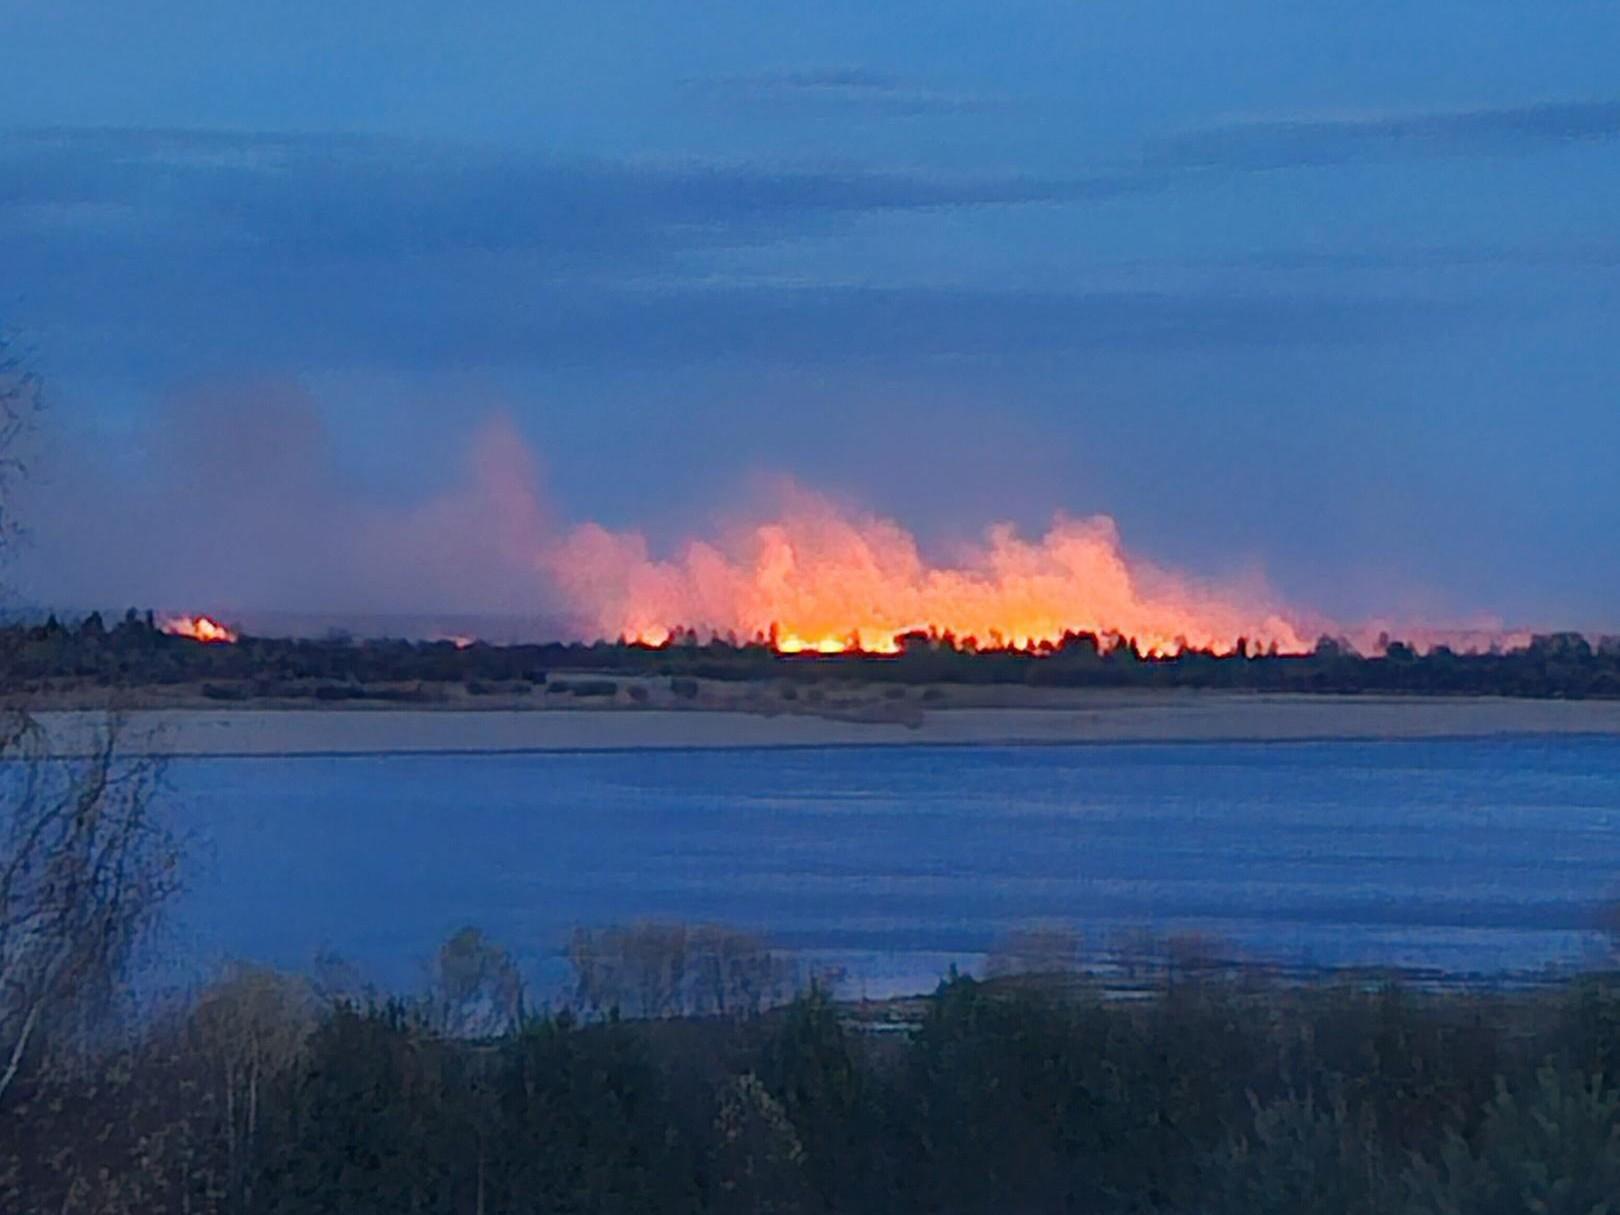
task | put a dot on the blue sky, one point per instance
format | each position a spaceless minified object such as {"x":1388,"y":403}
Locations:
{"x":1326,"y":290}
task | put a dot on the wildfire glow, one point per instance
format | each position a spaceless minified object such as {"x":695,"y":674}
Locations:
{"x":199,"y":628}
{"x":816,"y":578}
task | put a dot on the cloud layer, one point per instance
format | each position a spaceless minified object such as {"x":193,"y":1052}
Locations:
{"x":1306,"y":142}
{"x":176,"y":253}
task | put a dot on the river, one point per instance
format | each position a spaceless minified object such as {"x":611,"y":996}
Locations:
{"x":894,"y":863}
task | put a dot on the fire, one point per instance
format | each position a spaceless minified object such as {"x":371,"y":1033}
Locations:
{"x":199,"y":628}
{"x":851,"y":643}
{"x":816,"y":578}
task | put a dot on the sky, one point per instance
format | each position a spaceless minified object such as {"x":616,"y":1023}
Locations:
{"x":338,"y":311}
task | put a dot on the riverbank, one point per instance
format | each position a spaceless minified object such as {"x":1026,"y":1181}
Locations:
{"x":1103,"y":717}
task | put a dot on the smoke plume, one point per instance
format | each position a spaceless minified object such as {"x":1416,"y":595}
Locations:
{"x":235,"y":503}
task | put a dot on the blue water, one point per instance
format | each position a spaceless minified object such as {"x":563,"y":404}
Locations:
{"x":1466,"y":855}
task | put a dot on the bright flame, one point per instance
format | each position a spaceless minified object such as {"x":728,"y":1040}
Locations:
{"x":816,"y":578}
{"x":199,"y":628}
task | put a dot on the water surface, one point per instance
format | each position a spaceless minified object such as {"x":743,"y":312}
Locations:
{"x":1467,"y":855}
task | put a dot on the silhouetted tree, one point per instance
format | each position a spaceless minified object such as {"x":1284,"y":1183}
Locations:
{"x":86,"y":867}
{"x":477,"y":990}
{"x":20,"y":404}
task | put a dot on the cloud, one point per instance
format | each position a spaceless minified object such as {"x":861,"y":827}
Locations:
{"x":854,"y":322}
{"x":304,"y":197}
{"x":424,"y":321}
{"x":838,"y":91}
{"x":173,"y":254}
{"x":1305,"y":141}
{"x":301,"y":199}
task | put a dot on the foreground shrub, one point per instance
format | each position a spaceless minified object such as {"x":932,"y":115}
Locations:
{"x":1205,"y":1096}
{"x":583,"y":1122}
{"x":1552,"y":1148}
{"x":1297,"y":1155}
{"x":816,"y":1072}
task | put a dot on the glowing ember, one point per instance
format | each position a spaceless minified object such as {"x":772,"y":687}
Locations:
{"x":818,"y":579}
{"x":199,"y":628}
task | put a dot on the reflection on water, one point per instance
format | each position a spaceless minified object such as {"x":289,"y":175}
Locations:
{"x":893,"y":863}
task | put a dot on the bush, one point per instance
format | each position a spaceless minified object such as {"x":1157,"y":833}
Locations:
{"x":1297,"y":1156}
{"x":583,"y":1121}
{"x":1013,"y":1101}
{"x":814,"y":1070}
{"x":1206,"y":1096}
{"x":1553,"y":1146}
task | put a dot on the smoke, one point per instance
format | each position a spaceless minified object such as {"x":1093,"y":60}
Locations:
{"x":816,"y":575}
{"x":234,"y":502}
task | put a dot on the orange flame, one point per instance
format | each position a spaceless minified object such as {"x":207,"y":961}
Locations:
{"x":820,"y":579}
{"x":199,"y":628}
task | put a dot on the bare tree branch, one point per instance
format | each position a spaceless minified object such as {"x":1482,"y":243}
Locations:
{"x":87,"y":867}
{"x":20,"y":403}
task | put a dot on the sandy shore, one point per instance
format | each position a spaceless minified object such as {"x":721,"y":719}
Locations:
{"x":1106,"y":718}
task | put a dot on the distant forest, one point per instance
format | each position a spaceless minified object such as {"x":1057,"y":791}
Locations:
{"x":135,"y":653}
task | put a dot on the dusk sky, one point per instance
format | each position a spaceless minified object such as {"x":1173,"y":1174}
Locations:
{"x":1327,"y":293}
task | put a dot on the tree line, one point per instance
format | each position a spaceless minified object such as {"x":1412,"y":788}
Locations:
{"x":134,"y":653}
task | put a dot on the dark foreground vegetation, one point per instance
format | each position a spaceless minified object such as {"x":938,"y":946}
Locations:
{"x":51,"y":656}
{"x":1215,"y":1094}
